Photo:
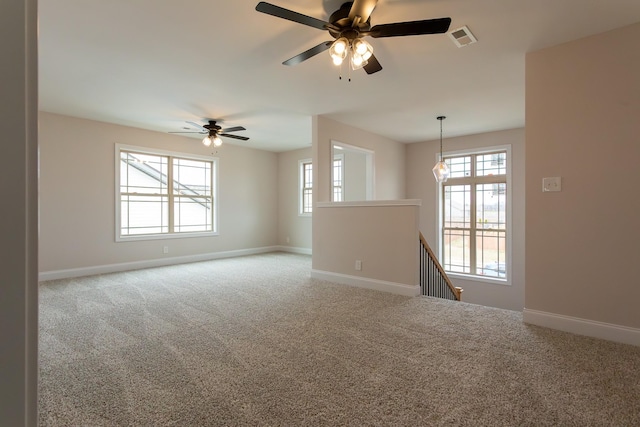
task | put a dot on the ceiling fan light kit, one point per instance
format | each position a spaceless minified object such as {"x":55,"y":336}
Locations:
{"x":348,"y":26}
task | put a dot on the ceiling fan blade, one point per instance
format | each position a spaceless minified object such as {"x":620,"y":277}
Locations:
{"x":232,"y":129}
{"x":373,"y":66}
{"x":308,"y":53}
{"x":280,"y":12}
{"x":196,"y":125}
{"x":201,"y":133}
{"x":363,"y":9}
{"x":412,"y":28}
{"x":243,"y":138}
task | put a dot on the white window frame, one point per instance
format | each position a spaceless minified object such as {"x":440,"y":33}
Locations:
{"x":301,"y":187}
{"x":509,"y":229}
{"x":337,"y":157}
{"x":171,"y":154}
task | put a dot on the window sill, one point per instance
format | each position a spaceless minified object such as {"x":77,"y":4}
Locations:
{"x":141,"y":237}
{"x":482,"y":279}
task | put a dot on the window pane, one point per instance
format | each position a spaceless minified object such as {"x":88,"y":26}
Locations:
{"x":456,"y":251}
{"x":192,"y":177}
{"x":491,"y":164}
{"x":307,"y":185}
{"x":144,"y":214}
{"x":491,"y":253}
{"x":491,"y":206}
{"x":337,"y":179}
{"x":459,"y":167}
{"x":306,"y":200}
{"x":457,"y":206}
{"x":337,"y":172}
{"x":308,"y":175}
{"x":143,"y":173}
{"x":337,"y":194}
{"x":192,"y":187}
{"x":192,"y":214}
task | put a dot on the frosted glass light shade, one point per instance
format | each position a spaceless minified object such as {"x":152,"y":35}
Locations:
{"x":338,"y":50}
{"x":362,"y":48}
{"x":217,"y":141}
{"x":441,"y":171}
{"x":357,"y":61}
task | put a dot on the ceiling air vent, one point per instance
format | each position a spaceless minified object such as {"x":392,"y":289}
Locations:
{"x":462,"y":36}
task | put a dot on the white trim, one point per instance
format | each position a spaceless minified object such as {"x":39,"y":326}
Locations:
{"x":290,"y":249}
{"x":365,"y":282}
{"x":160,"y":262}
{"x":484,"y":279}
{"x":590,"y":328}
{"x":370,"y":203}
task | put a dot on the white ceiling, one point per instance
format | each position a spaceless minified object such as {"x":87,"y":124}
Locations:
{"x":153,"y":64}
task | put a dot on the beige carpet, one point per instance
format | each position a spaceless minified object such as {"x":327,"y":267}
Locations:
{"x":254,"y":341}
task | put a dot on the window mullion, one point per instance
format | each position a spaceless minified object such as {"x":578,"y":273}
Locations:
{"x":473,"y":208}
{"x":170,"y":167}
{"x":472,"y":229}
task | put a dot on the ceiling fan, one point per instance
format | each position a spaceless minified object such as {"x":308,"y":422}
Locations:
{"x":348,"y":26}
{"x":214,"y":132}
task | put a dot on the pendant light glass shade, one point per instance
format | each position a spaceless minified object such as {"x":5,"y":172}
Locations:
{"x":207,"y":141}
{"x":217,"y":141}
{"x":441,"y":170}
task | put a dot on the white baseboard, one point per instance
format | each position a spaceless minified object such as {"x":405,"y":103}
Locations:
{"x":365,"y":282}
{"x":290,"y":249}
{"x":590,"y":328}
{"x":160,"y":262}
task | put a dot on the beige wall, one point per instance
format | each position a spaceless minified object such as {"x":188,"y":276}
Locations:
{"x":389,"y":185}
{"x":583,"y":124}
{"x":78,"y":196}
{"x":389,"y":158}
{"x":382,"y":235}
{"x":421,"y":157}
{"x":291,"y":224}
{"x":18,"y":213}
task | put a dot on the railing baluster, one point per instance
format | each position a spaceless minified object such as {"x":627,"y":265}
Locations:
{"x":433,"y":279}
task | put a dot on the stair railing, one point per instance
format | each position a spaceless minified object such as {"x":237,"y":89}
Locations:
{"x":434,"y":281}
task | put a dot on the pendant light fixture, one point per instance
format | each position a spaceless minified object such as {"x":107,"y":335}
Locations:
{"x":441,"y":170}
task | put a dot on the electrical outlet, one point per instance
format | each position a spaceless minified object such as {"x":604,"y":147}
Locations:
{"x":165,"y":250}
{"x":358,"y":265}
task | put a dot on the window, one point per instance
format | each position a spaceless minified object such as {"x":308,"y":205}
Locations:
{"x":474,"y":208}
{"x":338,"y":178}
{"x":162,"y":194}
{"x":306,"y":187}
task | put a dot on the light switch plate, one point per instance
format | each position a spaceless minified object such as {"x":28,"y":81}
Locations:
{"x":553,"y":183}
